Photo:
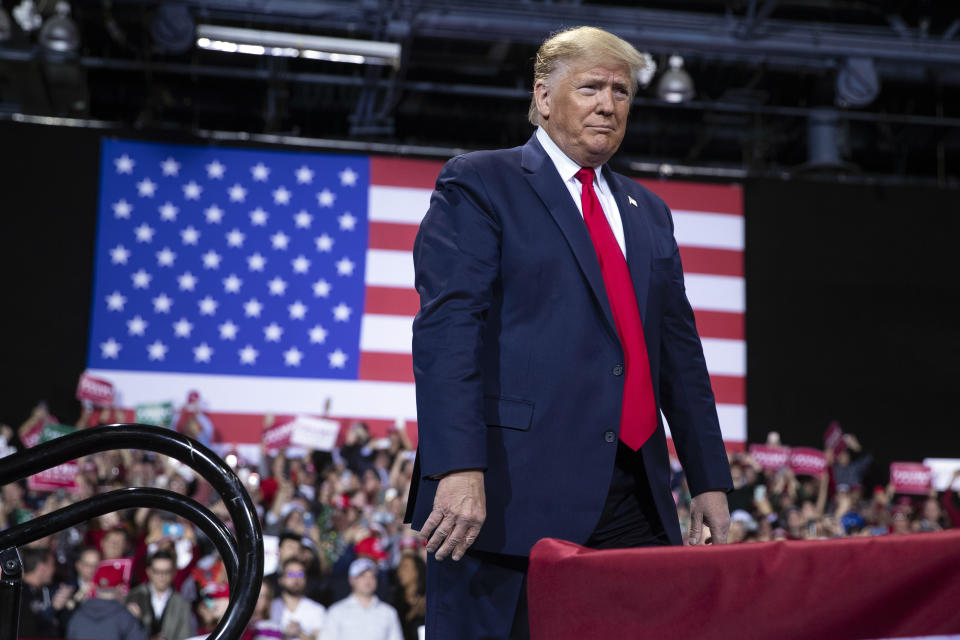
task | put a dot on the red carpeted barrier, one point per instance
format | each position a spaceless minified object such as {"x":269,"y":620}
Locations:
{"x":852,"y":588}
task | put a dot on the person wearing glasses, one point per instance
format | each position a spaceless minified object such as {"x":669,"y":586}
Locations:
{"x":164,"y":613}
{"x":299,"y":617}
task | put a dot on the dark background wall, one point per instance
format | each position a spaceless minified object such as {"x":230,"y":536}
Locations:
{"x":852,"y":298}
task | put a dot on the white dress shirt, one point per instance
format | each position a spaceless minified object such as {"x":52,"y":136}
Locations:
{"x":568,"y":169}
{"x":350,"y":620}
{"x":308,"y":614}
{"x":159,"y":601}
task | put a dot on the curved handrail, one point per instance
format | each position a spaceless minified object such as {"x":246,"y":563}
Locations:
{"x":249,"y":537}
{"x":129,"y":498}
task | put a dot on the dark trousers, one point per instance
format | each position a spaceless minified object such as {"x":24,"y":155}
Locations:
{"x":483,"y":596}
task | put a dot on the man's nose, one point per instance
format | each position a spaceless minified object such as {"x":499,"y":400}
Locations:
{"x":605,"y":101}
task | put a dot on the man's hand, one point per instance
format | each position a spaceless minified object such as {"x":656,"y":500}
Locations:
{"x":459,"y":509}
{"x":709,"y":507}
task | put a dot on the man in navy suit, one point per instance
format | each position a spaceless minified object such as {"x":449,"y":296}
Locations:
{"x":554,"y":326}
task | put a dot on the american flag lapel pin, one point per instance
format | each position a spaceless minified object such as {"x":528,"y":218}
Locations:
{"x":631,"y":200}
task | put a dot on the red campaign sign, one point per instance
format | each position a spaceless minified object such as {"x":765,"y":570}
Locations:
{"x":62,"y":476}
{"x":97,"y":391}
{"x":807,"y":461}
{"x":278,"y":436}
{"x":911,"y":477}
{"x":833,"y":438}
{"x":769,"y":457}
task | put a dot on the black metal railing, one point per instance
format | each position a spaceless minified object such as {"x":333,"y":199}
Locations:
{"x":241,"y":550}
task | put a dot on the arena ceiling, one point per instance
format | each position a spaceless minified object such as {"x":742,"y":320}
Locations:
{"x":865,"y":90}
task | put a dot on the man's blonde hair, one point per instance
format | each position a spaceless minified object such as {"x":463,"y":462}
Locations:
{"x":584,"y":44}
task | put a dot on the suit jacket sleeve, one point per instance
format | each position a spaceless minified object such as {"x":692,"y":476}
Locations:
{"x":685,"y":393}
{"x":457,"y":262}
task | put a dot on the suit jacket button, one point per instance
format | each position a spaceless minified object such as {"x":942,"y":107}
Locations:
{"x":609,"y":436}
{"x":618,"y":370}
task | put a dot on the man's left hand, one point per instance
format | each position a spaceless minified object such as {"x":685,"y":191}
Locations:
{"x":710,"y":508}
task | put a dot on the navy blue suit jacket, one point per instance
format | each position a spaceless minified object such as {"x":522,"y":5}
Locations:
{"x":515,"y":349}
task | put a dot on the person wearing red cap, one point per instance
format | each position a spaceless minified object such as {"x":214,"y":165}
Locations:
{"x":104,"y":616}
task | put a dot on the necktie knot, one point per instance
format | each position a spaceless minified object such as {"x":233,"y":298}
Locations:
{"x":585,"y":176}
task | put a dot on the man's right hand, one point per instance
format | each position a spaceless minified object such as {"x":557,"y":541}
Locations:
{"x":459,"y":509}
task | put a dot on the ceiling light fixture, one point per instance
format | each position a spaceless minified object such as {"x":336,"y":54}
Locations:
{"x":59,"y":34}
{"x":297,"y":45}
{"x":675,"y":84}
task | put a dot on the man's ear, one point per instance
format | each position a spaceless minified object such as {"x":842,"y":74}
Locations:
{"x":541,"y":93}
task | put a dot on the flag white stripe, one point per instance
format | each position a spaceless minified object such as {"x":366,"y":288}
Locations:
{"x":387,"y":268}
{"x":386,"y":334}
{"x":393,"y":334}
{"x":716,"y":293}
{"x":255,"y":394}
{"x":709,"y":230}
{"x":725,"y":357}
{"x":404,"y":205}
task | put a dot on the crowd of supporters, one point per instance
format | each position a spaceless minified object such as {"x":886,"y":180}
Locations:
{"x":341,"y":564}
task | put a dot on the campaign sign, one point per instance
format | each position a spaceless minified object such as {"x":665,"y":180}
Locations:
{"x":63,"y":476}
{"x":159,"y":414}
{"x":911,"y":477}
{"x":806,"y":461}
{"x":277,"y":437}
{"x":769,"y":457}
{"x":52,"y":431}
{"x":97,"y":391}
{"x":315,"y":433}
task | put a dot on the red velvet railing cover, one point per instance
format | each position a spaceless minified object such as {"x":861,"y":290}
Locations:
{"x":852,"y":588}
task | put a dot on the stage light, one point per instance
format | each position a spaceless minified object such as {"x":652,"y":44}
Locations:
{"x":857,"y":83}
{"x":59,"y":33}
{"x":172,"y":29}
{"x":296,"y":45}
{"x":675,"y":84}
{"x":646,"y":72}
{"x":6,"y":25}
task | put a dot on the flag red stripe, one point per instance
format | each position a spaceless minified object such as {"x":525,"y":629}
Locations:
{"x":720,"y":324}
{"x":718,"y":262}
{"x":405,"y":302}
{"x":398,"y":367}
{"x":729,"y":389}
{"x":392,"y":236}
{"x":692,"y":196}
{"x":392,"y":301}
{"x":386,"y":367}
{"x":403,"y":172}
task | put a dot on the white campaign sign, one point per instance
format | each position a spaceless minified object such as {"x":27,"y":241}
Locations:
{"x":315,"y":433}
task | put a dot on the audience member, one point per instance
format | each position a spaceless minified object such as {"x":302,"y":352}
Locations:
{"x":164,"y":613}
{"x":361,"y":615}
{"x":299,"y":617}
{"x":104,"y":617}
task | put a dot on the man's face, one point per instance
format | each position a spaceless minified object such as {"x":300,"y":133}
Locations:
{"x":584,"y":107}
{"x":364,"y":584}
{"x":113,"y":545}
{"x":160,"y":574}
{"x":87,"y":564}
{"x":294,"y":579}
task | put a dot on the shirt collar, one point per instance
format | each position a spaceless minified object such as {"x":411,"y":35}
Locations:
{"x":566,"y":167}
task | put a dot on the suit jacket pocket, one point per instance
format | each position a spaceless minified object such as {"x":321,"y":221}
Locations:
{"x":512,"y":413}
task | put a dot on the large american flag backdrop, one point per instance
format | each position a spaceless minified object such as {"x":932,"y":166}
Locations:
{"x":276,"y":282}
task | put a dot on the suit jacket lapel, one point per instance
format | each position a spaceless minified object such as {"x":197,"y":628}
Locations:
{"x":636,"y":230}
{"x":543,"y":177}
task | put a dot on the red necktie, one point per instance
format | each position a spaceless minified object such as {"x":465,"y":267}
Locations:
{"x":638,"y":419}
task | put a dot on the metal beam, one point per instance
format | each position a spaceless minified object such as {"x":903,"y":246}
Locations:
{"x":651,"y":29}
